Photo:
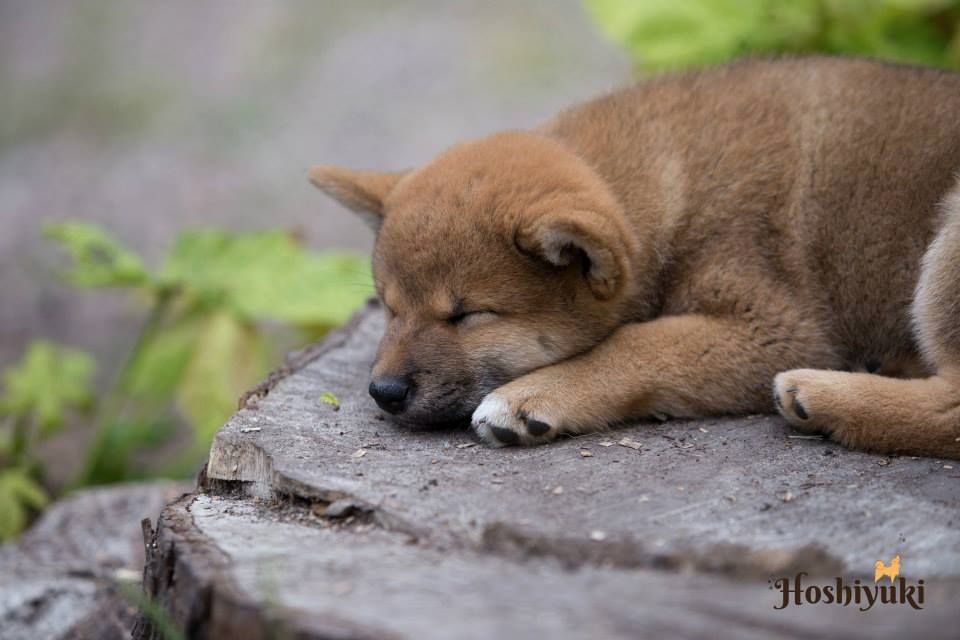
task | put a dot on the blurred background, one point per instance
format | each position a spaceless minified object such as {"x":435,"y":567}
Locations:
{"x":160,"y":248}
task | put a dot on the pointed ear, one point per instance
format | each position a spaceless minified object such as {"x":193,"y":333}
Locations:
{"x":363,"y":192}
{"x":600,"y":245}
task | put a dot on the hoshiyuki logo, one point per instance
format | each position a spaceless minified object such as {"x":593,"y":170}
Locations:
{"x":798,"y":591}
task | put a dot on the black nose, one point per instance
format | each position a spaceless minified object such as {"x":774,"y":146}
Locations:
{"x":390,"y":392}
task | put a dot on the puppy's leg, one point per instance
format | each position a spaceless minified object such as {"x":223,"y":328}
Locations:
{"x":864,"y":411}
{"x":677,"y":365}
{"x":881,"y":414}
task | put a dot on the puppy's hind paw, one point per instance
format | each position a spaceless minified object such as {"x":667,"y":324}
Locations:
{"x":786,"y":394}
{"x":498,"y":424}
{"x":799,"y":397}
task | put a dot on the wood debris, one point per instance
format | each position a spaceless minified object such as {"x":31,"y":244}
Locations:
{"x":342,"y":508}
{"x":629,"y":443}
{"x":329,"y":399}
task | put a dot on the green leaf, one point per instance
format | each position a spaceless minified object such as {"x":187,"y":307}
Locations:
{"x":47,"y":382}
{"x":112,"y":458}
{"x":164,"y":627}
{"x":228,"y":359}
{"x":328,"y":398}
{"x":914,"y":5}
{"x":98,"y":259}
{"x":663,"y":34}
{"x":158,"y":368}
{"x":666,"y":33}
{"x":268,"y":276}
{"x":909,"y":31}
{"x":19,"y":494}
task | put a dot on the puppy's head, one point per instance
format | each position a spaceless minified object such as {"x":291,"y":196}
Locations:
{"x":499,"y":257}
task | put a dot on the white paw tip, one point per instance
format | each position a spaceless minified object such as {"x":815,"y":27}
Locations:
{"x":494,"y":422}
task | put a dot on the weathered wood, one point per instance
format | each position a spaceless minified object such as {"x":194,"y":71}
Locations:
{"x":60,"y":580}
{"x":437,"y":536}
{"x":278,"y":571}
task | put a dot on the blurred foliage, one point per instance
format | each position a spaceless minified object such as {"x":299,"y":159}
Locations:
{"x":666,"y":34}
{"x":163,"y":626}
{"x":20,"y":493}
{"x":98,"y":260}
{"x":38,"y":393}
{"x":47,"y":383}
{"x":206,"y":338}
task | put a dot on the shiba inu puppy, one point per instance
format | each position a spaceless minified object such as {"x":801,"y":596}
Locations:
{"x":765,"y":235}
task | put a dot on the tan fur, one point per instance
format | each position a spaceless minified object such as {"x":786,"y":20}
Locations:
{"x":671,"y":248}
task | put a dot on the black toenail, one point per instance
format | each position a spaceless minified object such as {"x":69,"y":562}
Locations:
{"x":537,"y":428}
{"x":506,"y":436}
{"x":799,"y":410}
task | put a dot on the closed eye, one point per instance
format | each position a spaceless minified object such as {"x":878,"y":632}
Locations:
{"x":460,"y":317}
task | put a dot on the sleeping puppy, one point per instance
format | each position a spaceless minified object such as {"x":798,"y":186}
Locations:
{"x":679,"y":247}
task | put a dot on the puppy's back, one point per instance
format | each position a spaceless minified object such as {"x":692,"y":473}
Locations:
{"x":825,"y":170}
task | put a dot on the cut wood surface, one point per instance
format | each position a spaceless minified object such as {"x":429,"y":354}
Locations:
{"x":324,"y":523}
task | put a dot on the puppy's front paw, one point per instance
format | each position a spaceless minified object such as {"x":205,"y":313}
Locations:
{"x":499,"y":422}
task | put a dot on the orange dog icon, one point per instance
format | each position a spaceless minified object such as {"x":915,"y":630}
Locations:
{"x":880,"y":569}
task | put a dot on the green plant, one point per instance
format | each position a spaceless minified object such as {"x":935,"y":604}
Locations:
{"x":39,"y":391}
{"x":215,"y":311}
{"x":160,"y":622}
{"x":665,"y":34}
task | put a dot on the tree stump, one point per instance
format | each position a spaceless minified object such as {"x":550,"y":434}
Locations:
{"x":325,"y":523}
{"x":74,"y":574}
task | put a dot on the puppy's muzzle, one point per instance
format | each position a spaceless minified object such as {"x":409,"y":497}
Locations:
{"x":391,"y":393}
